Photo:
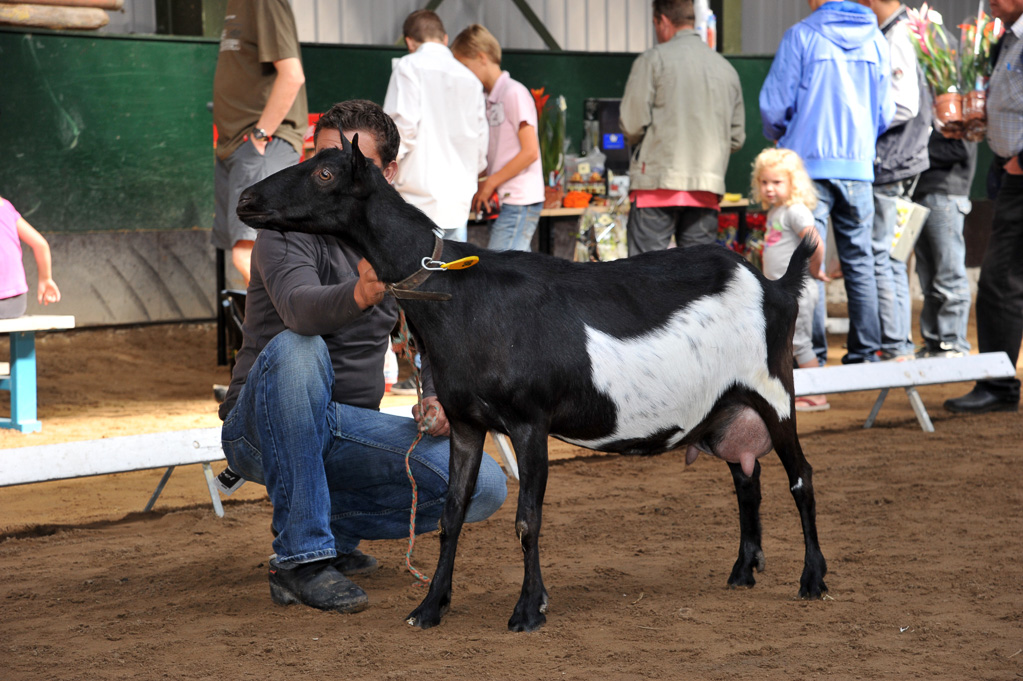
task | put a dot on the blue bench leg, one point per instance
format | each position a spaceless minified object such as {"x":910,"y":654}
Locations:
{"x":22,"y":384}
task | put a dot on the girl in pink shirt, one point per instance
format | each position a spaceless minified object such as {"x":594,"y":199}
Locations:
{"x":13,"y":286}
{"x":513,"y":157}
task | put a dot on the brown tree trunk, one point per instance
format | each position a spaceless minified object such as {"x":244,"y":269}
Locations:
{"x":98,"y":4}
{"x":47,"y":16}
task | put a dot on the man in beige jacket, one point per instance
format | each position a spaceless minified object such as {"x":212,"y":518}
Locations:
{"x":683,"y":114}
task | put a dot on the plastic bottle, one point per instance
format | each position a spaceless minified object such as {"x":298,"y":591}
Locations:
{"x":712,"y":31}
{"x":390,"y":369}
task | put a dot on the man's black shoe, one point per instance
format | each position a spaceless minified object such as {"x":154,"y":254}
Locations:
{"x":980,"y":401}
{"x":355,"y":563}
{"x":318,"y":585}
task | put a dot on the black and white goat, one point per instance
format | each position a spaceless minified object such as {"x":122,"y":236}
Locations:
{"x":679,"y":348}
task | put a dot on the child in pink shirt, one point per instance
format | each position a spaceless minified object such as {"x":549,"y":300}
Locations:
{"x":13,"y":286}
{"x":513,"y":157}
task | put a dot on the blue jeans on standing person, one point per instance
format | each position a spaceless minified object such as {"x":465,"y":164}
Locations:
{"x":513,"y":229}
{"x":850,"y":204}
{"x":941,"y":266}
{"x":335,"y":473}
{"x":893,"y":304}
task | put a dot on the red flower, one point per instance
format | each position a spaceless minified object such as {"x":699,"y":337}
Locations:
{"x":539,"y":98}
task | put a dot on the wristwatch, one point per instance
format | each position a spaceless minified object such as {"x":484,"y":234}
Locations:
{"x":260,"y":135}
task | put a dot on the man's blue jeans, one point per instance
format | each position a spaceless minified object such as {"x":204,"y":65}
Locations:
{"x":941,"y":266}
{"x":335,"y":473}
{"x":850,"y":203}
{"x":513,"y":229}
{"x":893,"y":304}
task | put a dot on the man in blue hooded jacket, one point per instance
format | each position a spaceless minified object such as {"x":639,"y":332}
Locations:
{"x":827,"y":97}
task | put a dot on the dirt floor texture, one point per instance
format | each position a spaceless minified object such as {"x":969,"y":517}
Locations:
{"x":923,"y":535}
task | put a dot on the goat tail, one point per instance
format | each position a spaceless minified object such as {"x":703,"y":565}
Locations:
{"x":798,"y":270}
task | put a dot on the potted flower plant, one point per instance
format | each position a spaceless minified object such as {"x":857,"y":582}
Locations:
{"x":937,"y":57}
{"x":977,"y":37}
{"x":551,"y":131}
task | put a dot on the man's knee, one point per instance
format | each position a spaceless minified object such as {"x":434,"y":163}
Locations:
{"x":302,"y":357}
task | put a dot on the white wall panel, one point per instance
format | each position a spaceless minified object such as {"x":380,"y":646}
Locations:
{"x":583,"y":25}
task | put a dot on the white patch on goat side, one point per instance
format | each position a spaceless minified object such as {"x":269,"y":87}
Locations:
{"x":798,"y":485}
{"x":672,"y":376}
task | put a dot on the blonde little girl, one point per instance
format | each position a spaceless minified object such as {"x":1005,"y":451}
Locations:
{"x":781,"y":185}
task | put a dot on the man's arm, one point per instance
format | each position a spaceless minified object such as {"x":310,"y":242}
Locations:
{"x":288,"y":269}
{"x":778,"y":94}
{"x":886,"y":108}
{"x":738,"y":118}
{"x":401,"y":103}
{"x":289,"y":81}
{"x":905,"y":84}
{"x":637,"y":101}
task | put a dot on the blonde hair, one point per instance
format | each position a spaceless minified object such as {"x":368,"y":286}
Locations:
{"x":475,"y":39}
{"x":786,"y":160}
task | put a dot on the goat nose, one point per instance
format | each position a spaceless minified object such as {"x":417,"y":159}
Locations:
{"x":245,"y":198}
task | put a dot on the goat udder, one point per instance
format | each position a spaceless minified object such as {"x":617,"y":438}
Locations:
{"x":744,"y":440}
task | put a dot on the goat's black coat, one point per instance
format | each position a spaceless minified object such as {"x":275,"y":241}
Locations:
{"x":509,"y":353}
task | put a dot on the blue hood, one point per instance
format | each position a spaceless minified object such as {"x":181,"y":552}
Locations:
{"x":848,"y":25}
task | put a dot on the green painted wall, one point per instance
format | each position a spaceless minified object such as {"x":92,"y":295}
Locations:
{"x":113,"y":133}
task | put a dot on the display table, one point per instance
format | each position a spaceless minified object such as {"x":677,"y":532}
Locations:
{"x":545,"y":234}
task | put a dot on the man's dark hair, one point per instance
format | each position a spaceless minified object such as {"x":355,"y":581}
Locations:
{"x":423,"y":25}
{"x":362,"y":114}
{"x":678,"y":12}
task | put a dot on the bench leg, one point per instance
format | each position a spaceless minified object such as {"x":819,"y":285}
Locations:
{"x":876,"y":408}
{"x":507,"y":455}
{"x":207,"y":470}
{"x":22,"y":384}
{"x":214,"y":494}
{"x":159,"y":488}
{"x":921,"y":412}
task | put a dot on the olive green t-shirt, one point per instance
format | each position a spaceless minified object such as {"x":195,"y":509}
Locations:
{"x":256,"y":34}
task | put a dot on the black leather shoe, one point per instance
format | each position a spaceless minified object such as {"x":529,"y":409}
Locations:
{"x":355,"y":563}
{"x":318,"y":585}
{"x":980,"y":401}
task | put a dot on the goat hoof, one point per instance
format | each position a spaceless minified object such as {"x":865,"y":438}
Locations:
{"x":813,"y":592}
{"x":419,"y":618}
{"x":524,"y":623}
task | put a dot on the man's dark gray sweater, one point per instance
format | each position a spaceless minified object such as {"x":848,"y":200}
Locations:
{"x":306,"y":283}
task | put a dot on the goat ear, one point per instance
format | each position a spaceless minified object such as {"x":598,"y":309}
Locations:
{"x":345,"y":144}
{"x":358,"y":159}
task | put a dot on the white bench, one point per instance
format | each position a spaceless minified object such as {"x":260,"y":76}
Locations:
{"x":67,"y":460}
{"x":20,"y":376}
{"x":884,"y":376}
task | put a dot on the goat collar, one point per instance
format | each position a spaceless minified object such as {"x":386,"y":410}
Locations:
{"x":406,"y":288}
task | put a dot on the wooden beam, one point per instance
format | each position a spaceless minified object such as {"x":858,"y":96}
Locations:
{"x":537,"y":25}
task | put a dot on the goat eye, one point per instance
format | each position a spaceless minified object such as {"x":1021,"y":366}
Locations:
{"x":325,"y":174}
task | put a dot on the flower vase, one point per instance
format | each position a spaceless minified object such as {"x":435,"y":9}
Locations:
{"x":552,"y":196}
{"x":975,"y":115}
{"x":948,"y":114}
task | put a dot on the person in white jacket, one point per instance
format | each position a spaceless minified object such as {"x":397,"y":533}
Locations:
{"x":439,"y":108}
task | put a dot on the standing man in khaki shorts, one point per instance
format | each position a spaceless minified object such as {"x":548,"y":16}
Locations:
{"x":259,"y":109}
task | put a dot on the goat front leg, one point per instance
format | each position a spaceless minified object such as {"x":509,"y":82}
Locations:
{"x":811,"y":583}
{"x":751,"y":555}
{"x":531,"y":451}
{"x":463,"y":469}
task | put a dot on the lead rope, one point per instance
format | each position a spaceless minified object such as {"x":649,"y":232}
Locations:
{"x":405,"y":343}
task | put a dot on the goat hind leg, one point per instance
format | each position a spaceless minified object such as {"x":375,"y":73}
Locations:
{"x":786,"y":444}
{"x":466,"y":455}
{"x":751,"y":555}
{"x":531,"y":452}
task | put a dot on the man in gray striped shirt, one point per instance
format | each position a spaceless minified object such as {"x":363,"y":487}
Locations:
{"x":1000,"y":290}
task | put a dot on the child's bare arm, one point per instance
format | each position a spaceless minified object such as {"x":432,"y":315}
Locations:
{"x":48,"y":291}
{"x":817,"y":259}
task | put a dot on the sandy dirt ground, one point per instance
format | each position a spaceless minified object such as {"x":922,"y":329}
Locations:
{"x":922,"y":533}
